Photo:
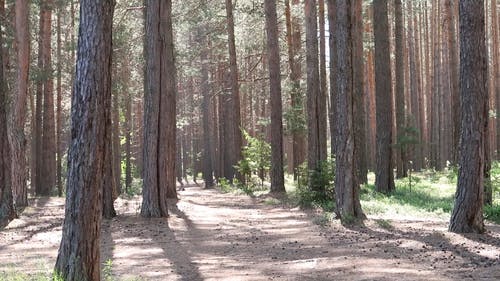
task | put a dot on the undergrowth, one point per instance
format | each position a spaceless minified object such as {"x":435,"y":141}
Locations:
{"x":427,"y":194}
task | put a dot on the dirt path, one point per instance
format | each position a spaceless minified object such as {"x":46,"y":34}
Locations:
{"x":215,"y":236}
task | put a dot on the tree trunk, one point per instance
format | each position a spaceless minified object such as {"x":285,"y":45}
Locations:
{"x":79,"y":255}
{"x":435,"y":120}
{"x":59,"y":132}
{"x":384,"y":173}
{"x":205,"y":89}
{"x":313,"y":96}
{"x":346,"y":183}
{"x":323,"y":89}
{"x":17,"y":140}
{"x":236,"y":139}
{"x":128,"y":141}
{"x":400,"y":92}
{"x":160,"y":111}
{"x":358,"y":93}
{"x":467,"y":216}
{"x":108,"y":183}
{"x":454,"y":75}
{"x":496,"y":68}
{"x":277,"y":174}
{"x":7,"y":212}
{"x":332,"y":24}
{"x":48,"y":154}
{"x":294,"y":43}
{"x":116,"y":160}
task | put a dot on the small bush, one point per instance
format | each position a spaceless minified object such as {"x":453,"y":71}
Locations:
{"x":492,"y":213}
{"x":224,"y":185}
{"x":134,"y":189}
{"x":323,"y":195}
{"x":256,"y":158}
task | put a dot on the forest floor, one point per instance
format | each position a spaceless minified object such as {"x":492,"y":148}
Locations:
{"x":222,"y":236}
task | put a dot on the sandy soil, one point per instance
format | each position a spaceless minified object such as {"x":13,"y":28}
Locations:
{"x":215,"y":236}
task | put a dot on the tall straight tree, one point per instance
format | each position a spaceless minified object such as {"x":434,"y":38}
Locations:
{"x":7,"y":212}
{"x":205,"y":89}
{"x":159,"y":112}
{"x":294,"y":42}
{"x":314,"y":154}
{"x":108,"y":182}
{"x":359,"y":92}
{"x":495,"y":25}
{"x":47,"y":163}
{"x":467,"y":215}
{"x":400,"y":90}
{"x":277,"y":176}
{"x":346,"y":183}
{"x":235,"y":141}
{"x":17,"y":139}
{"x":384,"y":180}
{"x":454,"y":75}
{"x":332,"y":24}
{"x":79,"y":255}
{"x":59,"y":184}
{"x":323,"y":88}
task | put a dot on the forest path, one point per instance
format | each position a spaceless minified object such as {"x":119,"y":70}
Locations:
{"x":219,"y":236}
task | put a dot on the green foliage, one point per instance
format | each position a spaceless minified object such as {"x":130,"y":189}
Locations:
{"x":492,"y":213}
{"x":495,"y":179}
{"x":225,"y":185}
{"x":295,"y":119}
{"x":107,"y":270}
{"x":134,"y":189}
{"x":248,"y":188}
{"x":429,"y":195}
{"x":409,"y":136}
{"x":256,"y":158}
{"x":325,"y":177}
{"x":18,"y":276}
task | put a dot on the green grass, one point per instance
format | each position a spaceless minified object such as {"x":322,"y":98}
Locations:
{"x":427,"y":195}
{"x":44,"y":274}
{"x":17,"y":276}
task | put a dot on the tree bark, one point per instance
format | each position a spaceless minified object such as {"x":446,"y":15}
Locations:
{"x":108,"y":183}
{"x":236,"y":139}
{"x":454,"y":75}
{"x":467,"y":215}
{"x":115,"y":144}
{"x":384,"y":181}
{"x":277,"y":174}
{"x":59,"y":132}
{"x":294,"y":42}
{"x":346,"y":183}
{"x":323,"y":89}
{"x":313,"y":96}
{"x":400,"y":91}
{"x":358,"y":93}
{"x":160,"y":111}
{"x":205,"y":89}
{"x":47,"y":162}
{"x":79,"y":255}
{"x":496,"y":68}
{"x":7,"y":212}
{"x":128,"y":141}
{"x":332,"y":24}
{"x":17,"y":139}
